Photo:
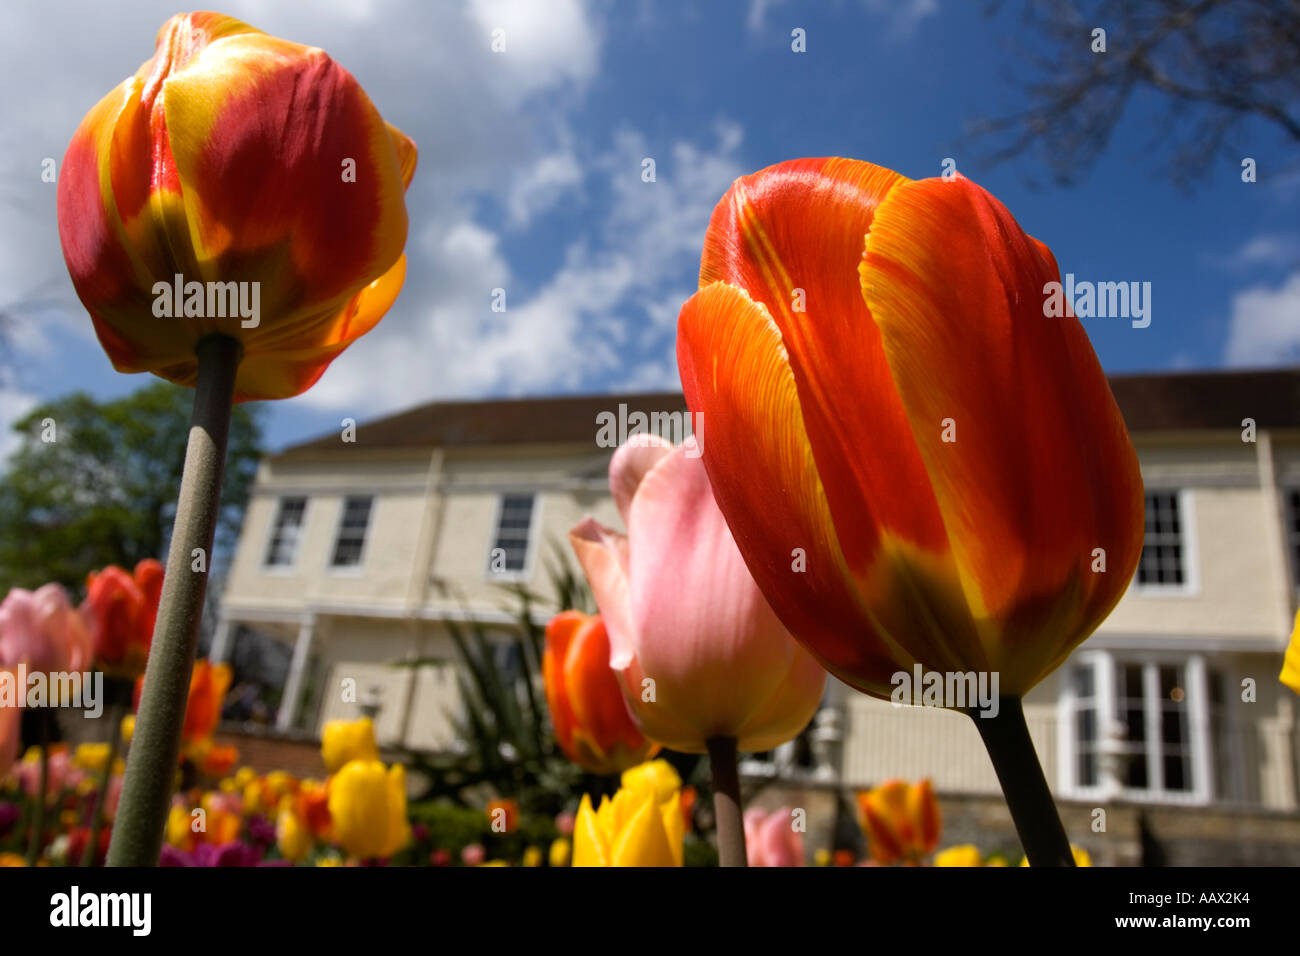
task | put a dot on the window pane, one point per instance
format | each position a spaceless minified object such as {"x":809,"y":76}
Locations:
{"x":1087,"y":769}
{"x":1177,"y":776}
{"x":351,"y":540}
{"x":510,"y":541}
{"x":1137,"y":771}
{"x":283,"y":547}
{"x":1162,"y":550}
{"x":1083,"y":681}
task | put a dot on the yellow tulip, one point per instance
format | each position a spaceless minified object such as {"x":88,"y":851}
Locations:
{"x":655,"y":776}
{"x":90,"y":757}
{"x":291,"y":836}
{"x":964,"y":855}
{"x":367,"y":804}
{"x":1290,"y":675}
{"x":637,"y":827}
{"x":533,"y":856}
{"x":343,"y":741}
{"x":561,"y":852}
{"x":180,"y":832}
{"x":127,"y":728}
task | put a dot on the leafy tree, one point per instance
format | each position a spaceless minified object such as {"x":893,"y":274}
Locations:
{"x":1214,"y":65}
{"x":95,"y":483}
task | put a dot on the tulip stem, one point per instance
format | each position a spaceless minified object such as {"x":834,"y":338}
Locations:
{"x":36,"y":839}
{"x":726,"y":801}
{"x":1006,"y":736}
{"x":155,"y":745}
{"x":115,"y":714}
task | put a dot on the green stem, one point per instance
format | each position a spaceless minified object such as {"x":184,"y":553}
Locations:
{"x":115,"y":713}
{"x":1006,"y":736}
{"x":155,"y":746}
{"x":726,"y":801}
{"x":35,"y":840}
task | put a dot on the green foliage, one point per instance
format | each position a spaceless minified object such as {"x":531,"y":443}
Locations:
{"x":452,"y":828}
{"x":103,"y":491}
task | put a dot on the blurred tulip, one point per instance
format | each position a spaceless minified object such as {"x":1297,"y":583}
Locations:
{"x":895,"y":416}
{"x":292,"y":835}
{"x":656,"y":777}
{"x":683,"y":612}
{"x":532,"y":856}
{"x":41,"y":631}
{"x":503,"y":815}
{"x":232,"y":156}
{"x":62,"y":774}
{"x":844,"y":857}
{"x":121,"y":608}
{"x":771,"y":838}
{"x":561,"y":852}
{"x":473,"y":854}
{"x":901,"y":820}
{"x":343,"y":741}
{"x":564,"y":821}
{"x":964,"y":855}
{"x":180,"y":827}
{"x":822,"y":857}
{"x":1290,"y":675}
{"x":208,"y":685}
{"x":91,"y":757}
{"x":590,"y":717}
{"x":313,"y":807}
{"x":367,"y":804}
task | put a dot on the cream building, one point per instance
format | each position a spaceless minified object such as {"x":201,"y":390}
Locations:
{"x":356,"y":548}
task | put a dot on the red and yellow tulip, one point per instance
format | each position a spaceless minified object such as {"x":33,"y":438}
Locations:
{"x":886,"y":398}
{"x":590,"y":717}
{"x":901,"y":820}
{"x":234,"y":156}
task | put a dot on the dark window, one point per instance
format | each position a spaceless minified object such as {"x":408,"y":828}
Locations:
{"x":1162,"y":549}
{"x":351,"y":540}
{"x":510,"y":543}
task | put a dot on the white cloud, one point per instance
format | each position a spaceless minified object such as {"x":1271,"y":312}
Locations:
{"x":1268,"y":249}
{"x":542,"y":186}
{"x":1264,"y":327}
{"x":14,"y":404}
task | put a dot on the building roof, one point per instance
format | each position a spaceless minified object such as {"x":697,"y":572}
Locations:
{"x":1180,"y":401}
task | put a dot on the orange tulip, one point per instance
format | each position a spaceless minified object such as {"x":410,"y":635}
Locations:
{"x":235,"y":166}
{"x":901,"y":820}
{"x":886,"y":398}
{"x":121,"y":608}
{"x":590,"y":716}
{"x":503,"y":815}
{"x":208,"y":685}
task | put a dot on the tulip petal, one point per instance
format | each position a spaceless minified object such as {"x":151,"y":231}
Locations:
{"x":1028,"y":399}
{"x":588,"y":843}
{"x":642,"y":839}
{"x":791,"y":236}
{"x":630,"y":464}
{"x":755,"y":427}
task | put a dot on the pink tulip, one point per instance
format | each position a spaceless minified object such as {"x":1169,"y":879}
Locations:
{"x":41,"y":630}
{"x":63,"y":775}
{"x":771,"y":839}
{"x":683,"y":612}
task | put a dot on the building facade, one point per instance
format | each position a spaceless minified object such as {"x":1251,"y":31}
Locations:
{"x":357,"y":548}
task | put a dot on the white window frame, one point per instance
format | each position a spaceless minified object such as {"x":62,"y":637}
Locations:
{"x":351,"y":570}
{"x":1191,"y":584}
{"x":530,"y":548}
{"x":1199,"y":744}
{"x":292,"y":566}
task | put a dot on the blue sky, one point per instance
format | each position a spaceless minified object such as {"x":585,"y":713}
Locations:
{"x":530,"y":180}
